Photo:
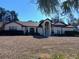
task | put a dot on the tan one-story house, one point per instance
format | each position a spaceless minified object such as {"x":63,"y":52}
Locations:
{"x":45,"y":27}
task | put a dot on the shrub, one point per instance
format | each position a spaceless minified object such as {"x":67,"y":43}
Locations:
{"x":77,"y":57}
{"x":44,"y":56}
{"x":70,"y":33}
{"x":11,"y":32}
{"x":58,"y":56}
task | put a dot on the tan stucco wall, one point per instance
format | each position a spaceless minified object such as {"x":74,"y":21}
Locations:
{"x":68,"y":29}
{"x":55,"y":29}
{"x":44,"y":27}
{"x":1,"y":23}
{"x":1,"y":26}
{"x":40,"y":31}
{"x":18,"y":27}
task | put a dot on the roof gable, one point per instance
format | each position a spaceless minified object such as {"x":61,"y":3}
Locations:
{"x":69,"y":26}
{"x":11,"y":22}
{"x":58,"y":24}
{"x":25,"y":24}
{"x":42,"y":21}
{"x":29,"y":24}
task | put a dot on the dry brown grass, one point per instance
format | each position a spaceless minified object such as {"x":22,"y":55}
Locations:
{"x":27,"y":47}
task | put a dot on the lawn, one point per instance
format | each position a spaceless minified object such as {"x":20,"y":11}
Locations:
{"x":27,"y":47}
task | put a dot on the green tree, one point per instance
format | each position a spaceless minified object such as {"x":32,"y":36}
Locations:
{"x":52,"y":6}
{"x":14,"y":16}
{"x":69,"y":4}
{"x":2,"y":13}
{"x":47,"y":6}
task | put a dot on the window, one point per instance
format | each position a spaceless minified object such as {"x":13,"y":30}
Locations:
{"x":58,"y":31}
{"x":12,"y":27}
{"x":26,"y":28}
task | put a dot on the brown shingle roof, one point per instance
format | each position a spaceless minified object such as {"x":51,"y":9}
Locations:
{"x":60,"y":24}
{"x":69,"y":26}
{"x":32,"y":24}
{"x":29,"y":24}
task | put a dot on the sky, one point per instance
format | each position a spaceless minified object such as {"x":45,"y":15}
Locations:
{"x":26,"y":9}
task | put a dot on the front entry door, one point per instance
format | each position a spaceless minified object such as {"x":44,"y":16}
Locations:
{"x":32,"y":31}
{"x":47,"y":30}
